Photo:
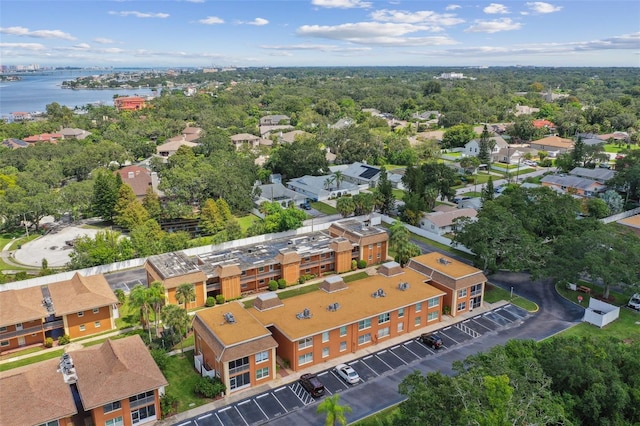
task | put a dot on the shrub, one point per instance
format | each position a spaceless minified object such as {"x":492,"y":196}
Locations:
{"x":282,"y":283}
{"x":161,"y":358}
{"x":362,"y":264}
{"x":63,"y":340}
{"x":48,"y":342}
{"x":219,"y":299}
{"x":211,"y":301}
{"x":446,"y":310}
{"x":354,"y":265}
{"x":168,"y":405}
{"x":273,"y":285}
{"x":209,"y":387}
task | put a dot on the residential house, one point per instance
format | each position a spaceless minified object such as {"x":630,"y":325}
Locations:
{"x":615,"y":136}
{"x":426,"y":115}
{"x":544,"y":124}
{"x":362,"y":174}
{"x":320,"y":188}
{"x":267,"y":129}
{"x":598,"y":174}
{"x":252,"y":141}
{"x":20,"y":116}
{"x":139,"y":179}
{"x":590,"y":139}
{"x":632,"y":223}
{"x":525,"y":110}
{"x":191,"y":134}
{"x":554,"y":145}
{"x":343,"y":123}
{"x":170,"y":147}
{"x":292,"y":136}
{"x":115,"y":383}
{"x":395,"y":177}
{"x":444,"y":222}
{"x":235,"y":271}
{"x":233,"y":345}
{"x":474,"y":203}
{"x":13,"y":143}
{"x":278,"y":192}
{"x":496,"y":143}
{"x":574,"y":185}
{"x":463,"y":284}
{"x":44,"y":137}
{"x":129,"y":103}
{"x":73,"y":133}
{"x":513,"y":154}
{"x":78,"y":307}
{"x":274,"y":120}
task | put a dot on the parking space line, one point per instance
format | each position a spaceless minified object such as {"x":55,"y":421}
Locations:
{"x":261,"y":410}
{"x":394,"y":354}
{"x":405,"y":346}
{"x":183,"y":424}
{"x":367,"y":365}
{"x":382,"y":360}
{"x":218,"y":417}
{"x":467,"y":330}
{"x":279,"y":389}
{"x":241,"y":416}
{"x":279,"y":403}
{"x":205,"y":416}
{"x":325,"y":389}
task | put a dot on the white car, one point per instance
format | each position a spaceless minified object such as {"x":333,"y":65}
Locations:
{"x":347,"y":373}
{"x":634,"y":302}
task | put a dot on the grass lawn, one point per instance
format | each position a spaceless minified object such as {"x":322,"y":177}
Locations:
{"x":612,"y":147}
{"x":21,"y":353}
{"x":31,"y":360}
{"x":472,"y":194}
{"x":384,"y":417}
{"x":246,"y":221}
{"x":23,"y":240}
{"x":182,"y":378}
{"x":494,"y":294}
{"x":398,"y":193}
{"x":626,"y":327}
{"x":439,"y":245}
{"x":324,"y":208}
{"x":129,"y":316}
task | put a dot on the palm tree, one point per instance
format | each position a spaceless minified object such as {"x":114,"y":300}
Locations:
{"x":140,"y":297}
{"x":338,"y":177}
{"x":400,"y":243}
{"x":156,"y":298}
{"x":328,"y":182}
{"x":185,"y":293}
{"x":335,"y":412}
{"x":177,"y":319}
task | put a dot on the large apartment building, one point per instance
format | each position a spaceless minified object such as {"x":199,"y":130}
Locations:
{"x":239,"y":345}
{"x":77,"y":307}
{"x":244,"y":270}
{"x":116,"y":383}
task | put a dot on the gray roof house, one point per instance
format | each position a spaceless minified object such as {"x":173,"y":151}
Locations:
{"x":280,"y":193}
{"x":574,"y":185}
{"x":362,"y":174}
{"x":442,"y":222}
{"x":472,"y":148}
{"x":315,"y":187}
{"x":342,"y":123}
{"x":274,"y":120}
{"x":598,"y":174}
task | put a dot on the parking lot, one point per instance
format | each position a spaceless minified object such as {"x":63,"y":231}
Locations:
{"x":261,"y":408}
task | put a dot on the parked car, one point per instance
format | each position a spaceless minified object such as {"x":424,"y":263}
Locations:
{"x":312,"y":384}
{"x":347,"y":373}
{"x":634,"y":302}
{"x":530,"y":163}
{"x":458,"y":199}
{"x":305,"y":206}
{"x":431,"y":339}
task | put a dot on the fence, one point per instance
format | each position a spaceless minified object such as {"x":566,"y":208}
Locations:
{"x":622,"y":215}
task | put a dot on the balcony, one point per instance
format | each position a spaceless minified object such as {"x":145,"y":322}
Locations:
{"x":23,"y":332}
{"x":238,"y":369}
{"x":52,"y":325}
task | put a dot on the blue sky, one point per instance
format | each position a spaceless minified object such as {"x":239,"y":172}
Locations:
{"x":203,"y":33}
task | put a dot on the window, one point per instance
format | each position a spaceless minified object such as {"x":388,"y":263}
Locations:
{"x":418,"y":307}
{"x":96,"y":310}
{"x":261,"y":373}
{"x":365,"y":338}
{"x":325,"y":352}
{"x":382,"y":318}
{"x":80,"y":314}
{"x":305,"y":343}
{"x":144,"y":413}
{"x":462,"y":293}
{"x":261,"y":269}
{"x":364,"y":324}
{"x":432,"y":316}
{"x":96,"y":324}
{"x":114,"y":422}
{"x":51,"y":423}
{"x":262,"y":356}
{"x":343,"y":331}
{"x":112,"y":406}
{"x":383,"y":332}
{"x":82,"y":327}
{"x":305,"y":359}
{"x":418,"y":321}
{"x":144,"y":398}
{"x":379,"y":245}
{"x":400,"y":327}
{"x":476,"y":289}
{"x":325,"y":336}
{"x":3,"y":329}
{"x":370,"y":257}
{"x":433,"y":302}
{"x":378,"y":256}
{"x":370,"y":246}
{"x":462,"y":306}
{"x":261,"y":281}
{"x":239,"y":381}
{"x":343,"y":346}
{"x":238,"y":365}
{"x":400,"y":312}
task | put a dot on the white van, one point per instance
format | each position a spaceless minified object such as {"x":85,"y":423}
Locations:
{"x":634,"y":302}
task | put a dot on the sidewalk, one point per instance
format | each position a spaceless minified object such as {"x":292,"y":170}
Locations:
{"x":294,"y":375}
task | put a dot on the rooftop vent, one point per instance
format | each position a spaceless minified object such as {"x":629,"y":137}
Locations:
{"x":403,"y":286}
{"x":48,"y":303}
{"x":379,"y":293}
{"x":67,"y":370}
{"x":443,"y":261}
{"x":305,"y":314}
{"x":333,"y":307}
{"x":228,"y":317}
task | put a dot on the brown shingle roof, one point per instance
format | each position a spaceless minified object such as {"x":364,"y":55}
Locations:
{"x":81,"y":293}
{"x":115,"y":370}
{"x":34,"y":394}
{"x":22,"y":305}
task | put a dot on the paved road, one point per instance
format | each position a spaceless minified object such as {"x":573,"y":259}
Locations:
{"x":555,"y":315}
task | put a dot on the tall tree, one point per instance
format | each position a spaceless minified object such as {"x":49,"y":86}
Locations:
{"x":335,"y":413}
{"x":140,"y":297}
{"x":345,"y":206}
{"x":484,"y":147}
{"x":151,"y":203}
{"x":211,"y":220}
{"x":156,"y":299}
{"x":386,"y":201}
{"x":488,"y":192}
{"x":457,"y":136}
{"x":177,"y":319}
{"x":105,"y":193}
{"x":400,"y":244}
{"x":185,"y":293}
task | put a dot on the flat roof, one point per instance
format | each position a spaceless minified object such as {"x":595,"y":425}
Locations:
{"x":446,"y":265}
{"x":245,"y":328}
{"x":356,"y":303}
{"x":173,"y":264}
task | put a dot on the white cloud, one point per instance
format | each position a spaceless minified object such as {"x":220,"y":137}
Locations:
{"x":542,"y":7}
{"x":25,"y":46}
{"x":140,"y":14}
{"x":418,"y":17}
{"x":211,"y":20}
{"x":503,"y":24}
{"x":257,"y":22}
{"x":82,"y":46}
{"x":318,"y":47}
{"x":453,"y":7}
{"x":25,"y":32}
{"x":496,"y":8}
{"x":341,"y":4}
{"x":103,"y":40}
{"x":194,"y":1}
